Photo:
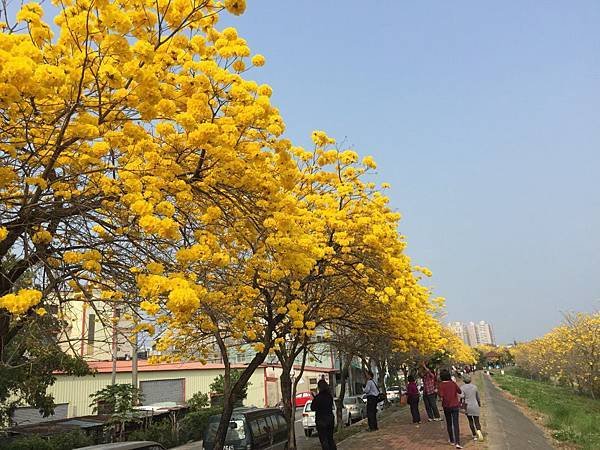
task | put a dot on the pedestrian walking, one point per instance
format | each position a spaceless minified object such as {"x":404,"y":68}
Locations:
{"x":449,"y":392}
{"x":371,"y":391}
{"x":470,"y":396}
{"x":322,"y":405}
{"x":430,"y":393}
{"x":412,"y":398}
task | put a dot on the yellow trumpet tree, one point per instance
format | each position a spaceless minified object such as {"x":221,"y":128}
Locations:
{"x":129,"y":139}
{"x":567,"y":354}
{"x":139,"y":166}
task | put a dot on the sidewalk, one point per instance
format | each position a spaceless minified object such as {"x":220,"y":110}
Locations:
{"x":396,"y":432}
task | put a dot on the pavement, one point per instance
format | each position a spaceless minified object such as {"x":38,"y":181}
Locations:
{"x":507,"y":427}
{"x":397,"y":432}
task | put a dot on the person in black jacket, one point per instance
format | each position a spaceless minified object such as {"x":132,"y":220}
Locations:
{"x":322,"y":405}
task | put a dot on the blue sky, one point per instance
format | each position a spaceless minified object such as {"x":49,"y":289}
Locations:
{"x":484,"y":117}
{"x":486,"y":120}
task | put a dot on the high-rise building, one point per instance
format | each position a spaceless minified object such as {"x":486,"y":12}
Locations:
{"x":458,"y":329}
{"x":484,"y":333}
{"x":472,"y":333}
{"x":472,"y":336}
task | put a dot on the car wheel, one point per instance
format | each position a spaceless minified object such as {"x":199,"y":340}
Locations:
{"x":308,"y":433}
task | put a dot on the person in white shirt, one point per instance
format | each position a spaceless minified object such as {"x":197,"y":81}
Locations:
{"x":371,"y":392}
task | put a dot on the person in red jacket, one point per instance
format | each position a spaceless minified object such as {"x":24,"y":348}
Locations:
{"x":449,"y":392}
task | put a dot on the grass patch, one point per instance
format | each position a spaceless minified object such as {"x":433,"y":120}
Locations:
{"x":571,"y":417}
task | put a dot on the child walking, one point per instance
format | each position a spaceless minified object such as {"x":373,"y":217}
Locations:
{"x":473,"y":402}
{"x":412,"y":398}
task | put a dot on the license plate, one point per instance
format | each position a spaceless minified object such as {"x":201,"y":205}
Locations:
{"x":228,"y":447}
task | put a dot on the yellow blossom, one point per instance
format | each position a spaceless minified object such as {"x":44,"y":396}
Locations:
{"x":258,"y":60}
{"x":20,"y":302}
{"x":42,"y":237}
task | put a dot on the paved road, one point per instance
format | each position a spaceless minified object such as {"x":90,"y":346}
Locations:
{"x":507,"y":427}
{"x":303,"y":442}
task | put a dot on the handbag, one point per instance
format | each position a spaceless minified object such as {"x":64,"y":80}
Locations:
{"x":381,"y":397}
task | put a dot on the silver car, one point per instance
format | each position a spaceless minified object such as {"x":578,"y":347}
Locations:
{"x":357,"y":408}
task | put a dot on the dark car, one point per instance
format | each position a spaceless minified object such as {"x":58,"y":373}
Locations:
{"x":250,"y":428}
{"x":137,"y":445}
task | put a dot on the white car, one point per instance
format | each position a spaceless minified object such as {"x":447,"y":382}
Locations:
{"x":357,"y":408}
{"x":393,"y":393}
{"x":308,"y":418}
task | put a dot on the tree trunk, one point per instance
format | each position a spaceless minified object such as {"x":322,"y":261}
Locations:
{"x":345,"y":364}
{"x":404,"y":369}
{"x":298,"y":376}
{"x":289,"y":386}
{"x":381,"y":366}
{"x":134,"y":365}
{"x":113,"y":377}
{"x":289,"y":410}
{"x":231,"y":393}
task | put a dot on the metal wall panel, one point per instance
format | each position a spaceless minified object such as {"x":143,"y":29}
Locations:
{"x":160,"y":391}
{"x":28,"y":416}
{"x":76,"y":390}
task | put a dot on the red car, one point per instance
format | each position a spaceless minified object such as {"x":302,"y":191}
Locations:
{"x":302,"y":398}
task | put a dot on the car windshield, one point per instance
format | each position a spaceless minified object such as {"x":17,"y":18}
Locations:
{"x":235,"y":432}
{"x":349,"y":400}
{"x":394,"y":388}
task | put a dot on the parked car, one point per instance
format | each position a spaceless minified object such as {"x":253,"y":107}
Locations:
{"x":308,"y":418}
{"x":255,"y":428}
{"x":380,"y":405}
{"x":357,"y":408}
{"x":393,"y":393}
{"x":302,"y":398}
{"x":134,"y":445}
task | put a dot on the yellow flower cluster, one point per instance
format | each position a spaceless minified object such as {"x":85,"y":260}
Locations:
{"x":20,"y":302}
{"x":155,"y":154}
{"x":568,"y":352}
{"x":42,"y":237}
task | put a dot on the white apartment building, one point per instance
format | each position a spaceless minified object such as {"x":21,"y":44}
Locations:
{"x":472,"y":333}
{"x":472,"y":336}
{"x":484,"y":333}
